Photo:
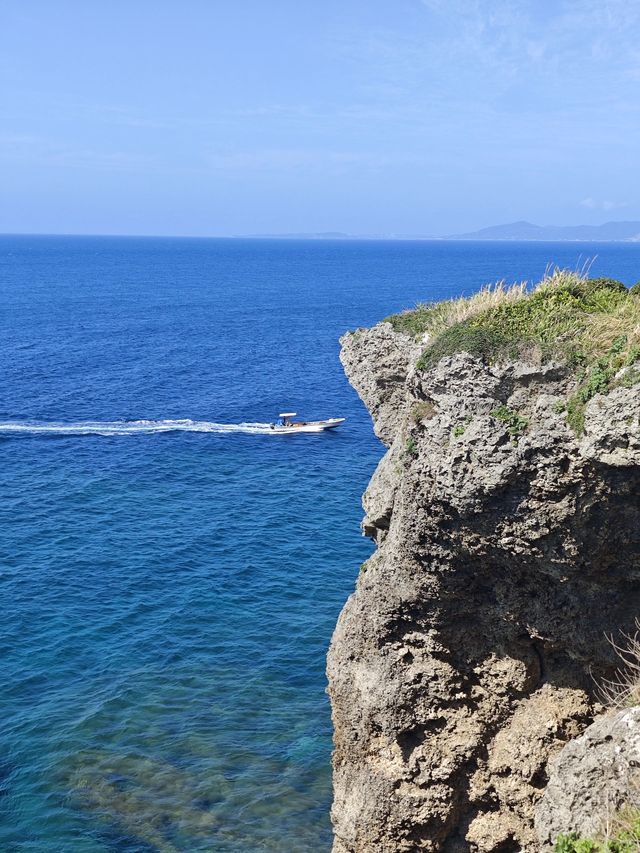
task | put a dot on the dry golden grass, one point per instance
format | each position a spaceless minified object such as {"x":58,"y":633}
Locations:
{"x":622,"y":828}
{"x":605,"y":329}
{"x":435,"y":317}
{"x":623,"y":689}
{"x":488,"y":298}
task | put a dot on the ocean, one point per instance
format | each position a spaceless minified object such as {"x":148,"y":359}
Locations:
{"x":171,"y":572}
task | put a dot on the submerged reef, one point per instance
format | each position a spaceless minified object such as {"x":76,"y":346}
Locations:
{"x":148,"y":801}
{"x":506,"y":514}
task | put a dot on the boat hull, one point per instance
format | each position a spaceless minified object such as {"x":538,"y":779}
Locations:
{"x":309,"y":426}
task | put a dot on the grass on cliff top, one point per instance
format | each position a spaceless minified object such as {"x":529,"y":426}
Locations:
{"x":591,"y":324}
{"x":435,"y":317}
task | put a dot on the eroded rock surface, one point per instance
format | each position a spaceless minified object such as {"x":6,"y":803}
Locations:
{"x":383,"y":391}
{"x":592,"y":778}
{"x":466,"y":657}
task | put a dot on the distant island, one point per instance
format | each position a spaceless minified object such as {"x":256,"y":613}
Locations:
{"x":610,"y":231}
{"x":303,"y":235}
{"x":335,"y":235}
{"x":628,"y":232}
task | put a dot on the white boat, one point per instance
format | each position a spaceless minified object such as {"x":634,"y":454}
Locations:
{"x":286,"y":425}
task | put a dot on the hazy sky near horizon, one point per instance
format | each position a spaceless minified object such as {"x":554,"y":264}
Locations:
{"x":218,"y":117}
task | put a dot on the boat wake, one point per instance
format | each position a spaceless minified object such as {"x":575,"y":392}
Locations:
{"x":145,"y":427}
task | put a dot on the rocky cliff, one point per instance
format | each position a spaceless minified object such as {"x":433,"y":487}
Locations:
{"x":594,"y":783}
{"x":507,"y":548}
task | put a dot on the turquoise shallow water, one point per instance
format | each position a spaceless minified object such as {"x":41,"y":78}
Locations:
{"x":168,"y":596}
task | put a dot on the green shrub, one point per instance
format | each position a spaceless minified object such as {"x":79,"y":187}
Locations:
{"x":593,"y":325}
{"x":623,"y":837}
{"x":606,"y":283}
{"x":516,"y":424}
{"x":465,"y":337}
{"x":553,"y":317}
{"x":435,"y":317}
{"x":411,"y":448}
{"x":573,"y":844}
{"x":596,"y":378}
{"x":575,"y":415}
{"x":630,"y":378}
{"x":414,"y":323}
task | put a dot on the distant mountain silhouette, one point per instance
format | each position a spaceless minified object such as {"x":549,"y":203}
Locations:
{"x":628,"y":231}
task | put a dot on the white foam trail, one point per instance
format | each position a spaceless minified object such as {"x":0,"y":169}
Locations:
{"x":128,"y":427}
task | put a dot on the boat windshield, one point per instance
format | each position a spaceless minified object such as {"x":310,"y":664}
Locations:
{"x":285,"y":418}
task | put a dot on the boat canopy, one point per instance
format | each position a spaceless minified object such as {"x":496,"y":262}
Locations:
{"x":287,"y":414}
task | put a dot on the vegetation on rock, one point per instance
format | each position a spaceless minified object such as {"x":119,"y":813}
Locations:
{"x":623,"y":836}
{"x":622,"y":690}
{"x":422,"y":411}
{"x":516,"y":424}
{"x":460,"y":429}
{"x":593,"y":325}
{"x":411,"y":448}
{"x":521,"y":545}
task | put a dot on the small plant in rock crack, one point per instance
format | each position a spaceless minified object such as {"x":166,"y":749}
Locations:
{"x":516,"y":424}
{"x":459,"y":429}
{"x":422,"y":411}
{"x":411,"y":448}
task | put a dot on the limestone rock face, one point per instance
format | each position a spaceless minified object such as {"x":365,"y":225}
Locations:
{"x":592,"y":778}
{"x":383,"y":389}
{"x":465,"y":658}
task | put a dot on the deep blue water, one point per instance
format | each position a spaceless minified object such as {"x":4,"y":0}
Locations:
{"x":168,"y":597}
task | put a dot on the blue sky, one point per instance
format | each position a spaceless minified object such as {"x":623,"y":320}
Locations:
{"x":218,"y":117}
